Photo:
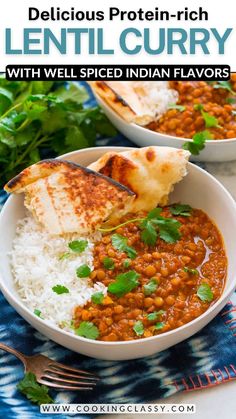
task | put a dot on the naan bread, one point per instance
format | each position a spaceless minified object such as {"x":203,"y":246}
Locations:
{"x":140,"y":102}
{"x":150,"y":172}
{"x":66,"y":198}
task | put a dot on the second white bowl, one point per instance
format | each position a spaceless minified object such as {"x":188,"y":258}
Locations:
{"x":214,"y":151}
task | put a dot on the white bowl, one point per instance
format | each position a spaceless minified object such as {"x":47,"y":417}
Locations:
{"x":214,"y":151}
{"x":200,"y":190}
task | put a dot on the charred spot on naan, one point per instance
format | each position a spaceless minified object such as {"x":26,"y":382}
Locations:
{"x":119,"y":167}
{"x":150,"y":155}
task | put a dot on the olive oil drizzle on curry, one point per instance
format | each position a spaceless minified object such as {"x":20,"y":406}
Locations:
{"x":159,"y":286}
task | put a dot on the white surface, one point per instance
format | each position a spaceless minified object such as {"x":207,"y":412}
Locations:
{"x":194,"y":190}
{"x":215,"y":402}
{"x":214,"y":151}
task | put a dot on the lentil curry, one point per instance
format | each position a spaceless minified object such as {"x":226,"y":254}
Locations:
{"x":162,"y":270}
{"x":201,"y":106}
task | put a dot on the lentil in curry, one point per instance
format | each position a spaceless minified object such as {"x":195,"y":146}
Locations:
{"x":216,"y":99}
{"x":172,"y":282}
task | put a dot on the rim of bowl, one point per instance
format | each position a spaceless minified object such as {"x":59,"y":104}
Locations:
{"x":55,"y":328}
{"x":145,"y":130}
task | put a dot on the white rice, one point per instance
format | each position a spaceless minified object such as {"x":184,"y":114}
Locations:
{"x":159,"y":96}
{"x":36,"y":268}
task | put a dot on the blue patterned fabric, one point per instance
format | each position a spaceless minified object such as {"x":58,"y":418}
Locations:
{"x":206,"y":359}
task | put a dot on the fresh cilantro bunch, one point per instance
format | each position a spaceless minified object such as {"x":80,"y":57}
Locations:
{"x":44,"y":119}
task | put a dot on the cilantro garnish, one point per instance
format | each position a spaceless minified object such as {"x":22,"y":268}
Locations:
{"x":87,"y":330}
{"x":159,"y":325}
{"x":231,"y":100}
{"x":36,"y":393}
{"x":224,"y":85}
{"x":191,"y":270}
{"x":38,"y":313}
{"x":97,"y":298}
{"x":152,"y":226}
{"x":205,"y":293}
{"x":180,"y":108}
{"x":124,"y":283}
{"x":60,"y":289}
{"x":181,"y":209}
{"x":153,"y":316}
{"x":120,"y":243}
{"x":78,"y":246}
{"x":126,"y":263}
{"x":108,"y":263}
{"x":198,"y":142}
{"x":83,"y":271}
{"x":150,"y":287}
{"x":138,"y":328}
{"x":210,"y":120}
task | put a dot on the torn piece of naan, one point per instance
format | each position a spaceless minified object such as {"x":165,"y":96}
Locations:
{"x":140,"y":102}
{"x":65,"y":197}
{"x":150,"y":172}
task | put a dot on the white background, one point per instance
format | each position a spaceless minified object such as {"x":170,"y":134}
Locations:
{"x":14,"y":14}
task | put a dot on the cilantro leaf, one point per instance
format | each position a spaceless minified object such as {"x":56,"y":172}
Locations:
{"x":78,"y":246}
{"x":154,"y":224}
{"x":124,"y":283}
{"x":108,"y":263}
{"x":231,"y":100}
{"x":38,"y":313}
{"x":169,"y":229}
{"x":60,"y":289}
{"x":36,"y":393}
{"x":191,"y":270}
{"x":138,"y":328}
{"x":150,"y":287}
{"x":224,"y":85}
{"x":149,"y":233}
{"x":97,"y":298}
{"x":87,"y":330}
{"x":119,"y":242}
{"x":181,"y":209}
{"x":83,"y":271}
{"x":159,"y":325}
{"x":153,"y":316}
{"x":210,"y":120}
{"x":126,"y":263}
{"x":205,"y":293}
{"x":180,"y":108}
{"x":198,"y":142}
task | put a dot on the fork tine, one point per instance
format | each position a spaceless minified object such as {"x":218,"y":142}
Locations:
{"x":63,"y":380}
{"x":65,"y":367}
{"x":67,"y":374}
{"x":62,"y":387}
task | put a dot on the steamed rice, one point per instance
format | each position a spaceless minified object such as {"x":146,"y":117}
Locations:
{"x":158,"y":96}
{"x":36,"y":268}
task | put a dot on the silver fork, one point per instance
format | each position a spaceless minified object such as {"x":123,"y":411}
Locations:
{"x":54,"y":374}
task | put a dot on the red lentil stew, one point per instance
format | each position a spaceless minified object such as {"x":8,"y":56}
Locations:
{"x":162,"y":270}
{"x":201,"y":106}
